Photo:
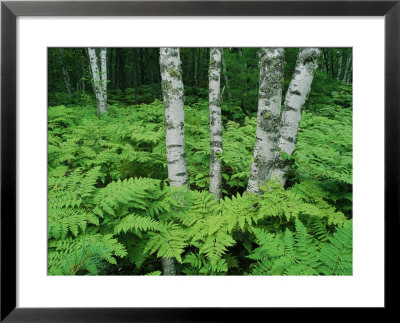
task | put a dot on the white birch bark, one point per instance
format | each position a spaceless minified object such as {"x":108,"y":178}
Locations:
{"x":214,"y":76}
{"x":271,"y":64}
{"x":349,"y":73}
{"x":65,"y":72}
{"x":103,"y":59}
{"x":346,"y":71}
{"x":299,"y":88}
{"x":172,"y":88}
{"x":97,"y":82}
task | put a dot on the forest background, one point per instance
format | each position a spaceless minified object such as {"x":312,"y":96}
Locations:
{"x":111,"y":209}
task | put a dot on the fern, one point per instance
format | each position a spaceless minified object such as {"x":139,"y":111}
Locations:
{"x":83,"y":255}
{"x":109,"y":202}
{"x":285,"y":253}
{"x":336,"y":256}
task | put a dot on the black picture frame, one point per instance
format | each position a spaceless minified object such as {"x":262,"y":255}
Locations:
{"x":10,"y":10}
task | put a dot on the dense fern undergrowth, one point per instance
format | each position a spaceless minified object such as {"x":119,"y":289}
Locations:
{"x":112,"y":212}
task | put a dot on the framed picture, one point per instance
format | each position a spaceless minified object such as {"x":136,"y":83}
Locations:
{"x":71,"y":72}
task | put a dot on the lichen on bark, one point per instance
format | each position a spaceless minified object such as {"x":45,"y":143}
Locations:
{"x":297,"y":93}
{"x":271,"y":62}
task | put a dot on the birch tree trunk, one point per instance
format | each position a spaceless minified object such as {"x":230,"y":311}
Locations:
{"x":325,"y":56}
{"x":214,"y":74}
{"x":340,"y":67}
{"x":299,"y":88}
{"x":172,"y":88}
{"x":346,"y":71}
{"x":103,"y":58}
{"x":347,"y":75}
{"x":65,"y":72}
{"x":350,"y":73}
{"x":97,"y":82}
{"x":269,"y":108}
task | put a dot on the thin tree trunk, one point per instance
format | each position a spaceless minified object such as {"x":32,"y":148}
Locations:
{"x":244,"y":78}
{"x":97,"y":82}
{"x":214,"y":73}
{"x":122,"y":74}
{"x":228,"y":89}
{"x":269,"y":108}
{"x":51,"y":66}
{"x":205,"y":62}
{"x":142,"y":65}
{"x":340,"y":66}
{"x":83,"y":70}
{"x":299,"y":88}
{"x":350,"y":73}
{"x":195,"y":58}
{"x":109,"y":66}
{"x":117,"y":68}
{"x":65,"y":72}
{"x":174,"y":116}
{"x":346,"y":71}
{"x":157,"y":54}
{"x":135,"y":85}
{"x":103,"y":58}
{"x":77,"y":81}
{"x":150,"y":69}
{"x":332,"y":65}
{"x":325,"y":55}
{"x":200,"y":67}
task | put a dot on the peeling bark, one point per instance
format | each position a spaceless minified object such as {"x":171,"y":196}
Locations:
{"x":269,"y":107}
{"x":299,"y":88}
{"x":214,"y":74}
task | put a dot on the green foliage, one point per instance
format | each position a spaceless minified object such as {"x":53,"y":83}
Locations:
{"x":336,"y":256}
{"x":84,"y":255}
{"x":111,"y":210}
{"x":297,"y":253}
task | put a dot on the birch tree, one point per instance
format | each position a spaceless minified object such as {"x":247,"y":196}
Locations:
{"x":172,"y":88}
{"x":347,"y":72}
{"x":103,"y":59}
{"x":65,"y":72}
{"x":99,"y":78}
{"x":271,"y":62}
{"x":299,"y":88}
{"x":340,"y":65}
{"x":214,"y":75}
